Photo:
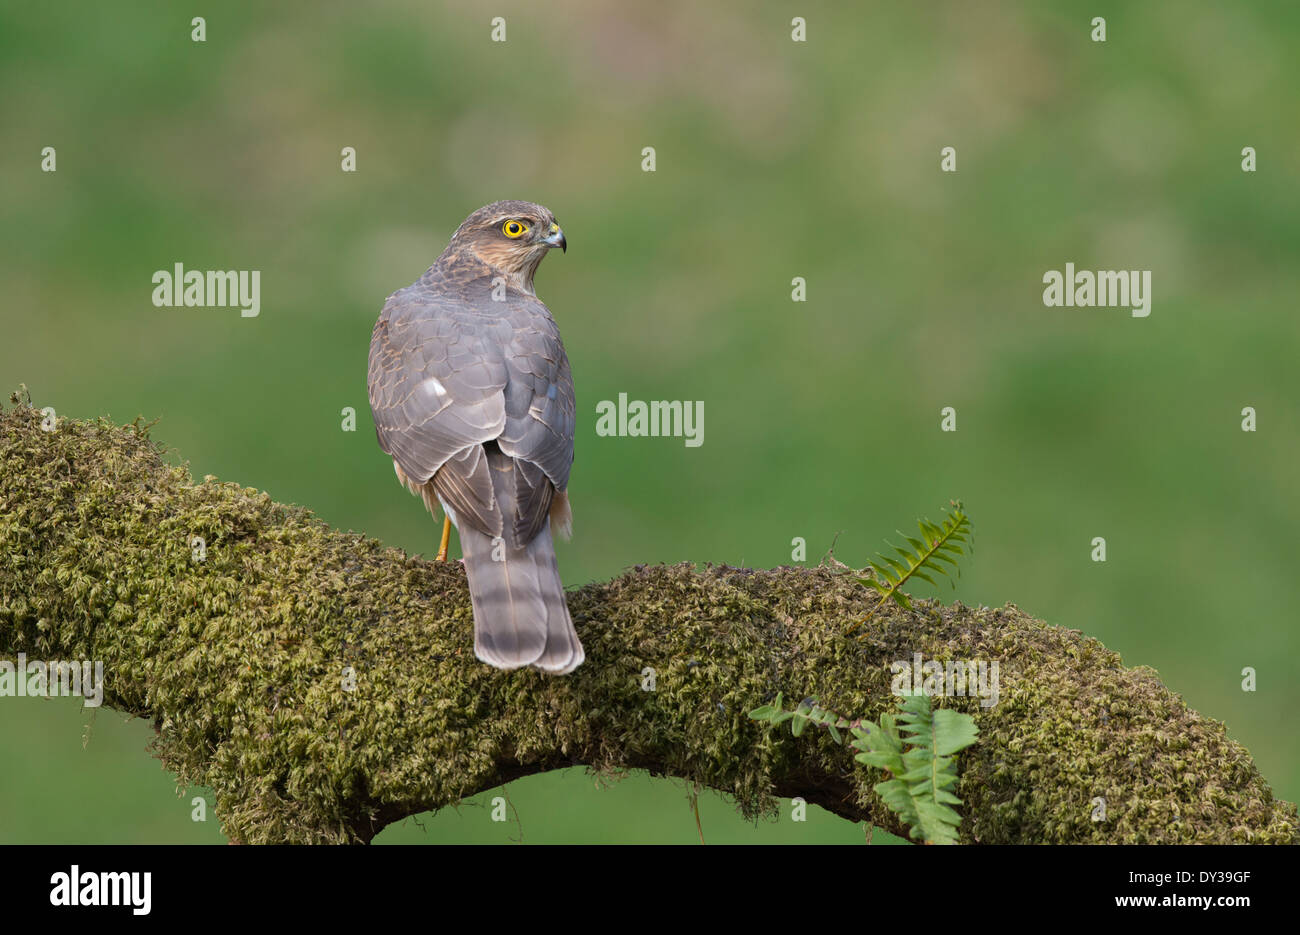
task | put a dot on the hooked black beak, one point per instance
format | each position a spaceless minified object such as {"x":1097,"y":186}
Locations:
{"x":556,"y":238}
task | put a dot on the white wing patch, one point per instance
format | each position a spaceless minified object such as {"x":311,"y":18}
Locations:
{"x":433,"y":387}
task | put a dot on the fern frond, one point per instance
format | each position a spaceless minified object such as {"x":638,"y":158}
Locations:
{"x":923,"y":774}
{"x":916,"y":748}
{"x":938,"y":547}
{"x":805,"y":713}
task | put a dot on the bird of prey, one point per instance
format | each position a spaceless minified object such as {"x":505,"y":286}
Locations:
{"x":472,"y":397}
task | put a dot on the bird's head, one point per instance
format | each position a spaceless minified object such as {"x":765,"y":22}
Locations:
{"x":511,"y":237}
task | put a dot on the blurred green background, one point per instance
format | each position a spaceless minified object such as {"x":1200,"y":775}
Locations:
{"x":775,"y":159}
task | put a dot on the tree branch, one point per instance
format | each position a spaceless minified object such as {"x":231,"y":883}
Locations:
{"x":239,"y":660}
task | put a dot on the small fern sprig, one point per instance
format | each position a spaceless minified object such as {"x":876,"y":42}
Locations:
{"x":938,"y":546}
{"x":921,"y":776}
{"x":805,"y":713}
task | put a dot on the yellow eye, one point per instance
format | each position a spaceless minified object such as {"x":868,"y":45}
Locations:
{"x":514,"y":228}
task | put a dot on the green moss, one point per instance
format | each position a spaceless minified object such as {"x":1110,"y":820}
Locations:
{"x":239,"y":660}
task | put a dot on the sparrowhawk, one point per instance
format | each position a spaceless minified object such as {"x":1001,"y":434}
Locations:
{"x":472,"y":396}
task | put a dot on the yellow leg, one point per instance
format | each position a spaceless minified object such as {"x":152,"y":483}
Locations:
{"x":446,"y":535}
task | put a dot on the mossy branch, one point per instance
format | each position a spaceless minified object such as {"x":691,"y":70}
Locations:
{"x":239,"y":662}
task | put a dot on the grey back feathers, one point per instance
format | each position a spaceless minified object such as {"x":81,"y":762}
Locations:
{"x":472,"y":397}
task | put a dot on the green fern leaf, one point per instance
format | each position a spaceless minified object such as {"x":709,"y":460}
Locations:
{"x":917,"y":750}
{"x":937,"y":551}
